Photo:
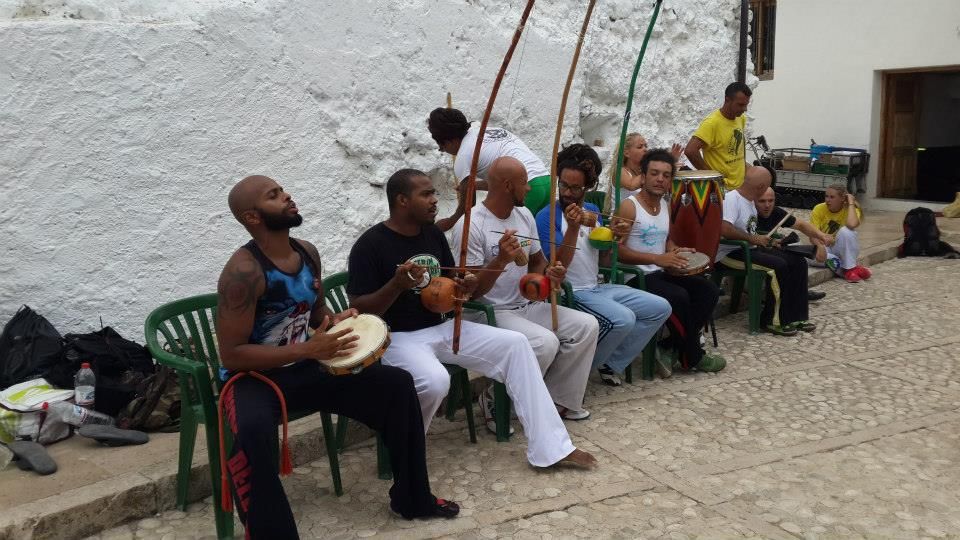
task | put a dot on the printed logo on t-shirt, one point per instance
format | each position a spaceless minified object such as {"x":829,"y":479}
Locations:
{"x":735,"y":143}
{"x":752,"y":225}
{"x":495,"y":134}
{"x":495,"y":248}
{"x":432,"y":265}
{"x":651,"y":235}
{"x":832,"y":227}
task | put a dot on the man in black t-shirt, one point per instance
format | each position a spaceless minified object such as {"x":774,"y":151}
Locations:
{"x":769,"y":215}
{"x":396,"y":258}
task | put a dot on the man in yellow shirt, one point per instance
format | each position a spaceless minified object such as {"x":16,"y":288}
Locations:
{"x":721,"y":137}
{"x":833,"y":217}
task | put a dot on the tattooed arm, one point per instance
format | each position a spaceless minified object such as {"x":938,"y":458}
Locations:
{"x":241,"y":284}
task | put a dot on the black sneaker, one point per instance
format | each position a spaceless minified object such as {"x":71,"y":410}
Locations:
{"x":608,"y":377}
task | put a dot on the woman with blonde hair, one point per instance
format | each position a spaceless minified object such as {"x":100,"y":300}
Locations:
{"x":635,"y":147}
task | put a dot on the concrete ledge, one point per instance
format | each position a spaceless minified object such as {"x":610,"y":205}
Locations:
{"x":90,"y":509}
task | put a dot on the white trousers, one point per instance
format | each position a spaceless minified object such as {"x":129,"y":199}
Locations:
{"x":565,"y":357}
{"x":499,"y":354}
{"x":846,"y":248}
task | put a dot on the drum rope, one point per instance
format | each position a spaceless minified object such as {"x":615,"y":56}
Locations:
{"x":286,"y":460}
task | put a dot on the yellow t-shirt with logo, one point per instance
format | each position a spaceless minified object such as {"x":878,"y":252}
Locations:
{"x":830,"y":222}
{"x":724,"y":147}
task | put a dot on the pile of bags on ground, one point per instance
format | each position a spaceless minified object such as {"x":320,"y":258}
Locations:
{"x":101,"y":385}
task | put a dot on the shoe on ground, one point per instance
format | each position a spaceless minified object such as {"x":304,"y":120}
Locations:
{"x":780,"y":330}
{"x":711,"y":363}
{"x":804,"y":326}
{"x":569,"y":414}
{"x":608,"y":376}
{"x":852,"y":276}
{"x":863,"y":272}
{"x":486,"y":405}
{"x":441,"y":508}
{"x":663,"y":362}
{"x":813,"y":296}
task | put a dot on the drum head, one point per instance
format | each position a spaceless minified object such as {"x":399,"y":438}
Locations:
{"x":698,"y":175}
{"x":373,"y":334}
{"x":695,"y":261}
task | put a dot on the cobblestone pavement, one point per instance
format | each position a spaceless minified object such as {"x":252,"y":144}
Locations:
{"x":850,"y":432}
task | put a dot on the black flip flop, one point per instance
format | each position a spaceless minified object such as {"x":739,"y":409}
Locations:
{"x":112,"y":435}
{"x":31,"y":456}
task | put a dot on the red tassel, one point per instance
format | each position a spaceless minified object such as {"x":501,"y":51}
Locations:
{"x":286,"y":460}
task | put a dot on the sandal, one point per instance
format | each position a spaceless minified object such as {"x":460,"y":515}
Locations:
{"x":112,"y":435}
{"x":31,"y":456}
{"x":805,"y":326}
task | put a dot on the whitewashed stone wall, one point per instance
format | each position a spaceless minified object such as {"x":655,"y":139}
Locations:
{"x":124,"y":123}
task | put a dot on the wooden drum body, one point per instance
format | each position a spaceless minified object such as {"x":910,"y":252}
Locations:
{"x":696,"y":211}
{"x":373,"y":342}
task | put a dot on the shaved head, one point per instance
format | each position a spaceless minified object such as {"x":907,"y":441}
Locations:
{"x":756,"y":181}
{"x":245,"y":194}
{"x":506,"y":169}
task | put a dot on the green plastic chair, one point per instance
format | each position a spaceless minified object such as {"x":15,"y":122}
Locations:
{"x":335,"y":293}
{"x":753,"y":279}
{"x":186,"y":328}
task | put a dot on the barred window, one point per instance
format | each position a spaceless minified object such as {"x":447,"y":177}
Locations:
{"x":763,"y":30}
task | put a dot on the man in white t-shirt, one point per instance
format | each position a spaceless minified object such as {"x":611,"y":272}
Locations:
{"x":628,"y":317}
{"x":785,"y":310}
{"x":455,"y":136}
{"x":500,"y":229}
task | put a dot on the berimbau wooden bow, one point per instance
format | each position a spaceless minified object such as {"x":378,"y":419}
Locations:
{"x":556,"y":150}
{"x":472,"y":179}
{"x":614,"y":271}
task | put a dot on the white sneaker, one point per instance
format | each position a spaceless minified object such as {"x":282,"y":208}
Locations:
{"x":486,"y":405}
{"x":582,"y":414}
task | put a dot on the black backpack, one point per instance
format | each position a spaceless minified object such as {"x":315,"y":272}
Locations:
{"x":119,"y":364}
{"x":29,"y":347}
{"x":921,"y":236}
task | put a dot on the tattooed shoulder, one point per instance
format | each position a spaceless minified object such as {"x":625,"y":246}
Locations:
{"x":239,"y":284}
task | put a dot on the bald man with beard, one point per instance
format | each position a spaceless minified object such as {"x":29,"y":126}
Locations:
{"x":500,"y":229}
{"x":270,"y":292}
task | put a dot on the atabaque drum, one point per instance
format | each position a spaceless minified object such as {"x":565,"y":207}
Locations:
{"x":696,"y":211}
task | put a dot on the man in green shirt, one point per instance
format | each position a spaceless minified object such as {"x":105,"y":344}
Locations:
{"x":721,"y":138}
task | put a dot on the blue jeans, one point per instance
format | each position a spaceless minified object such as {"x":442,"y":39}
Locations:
{"x":628,"y":318}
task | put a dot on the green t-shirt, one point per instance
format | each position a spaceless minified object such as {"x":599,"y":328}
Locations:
{"x":724,"y":146}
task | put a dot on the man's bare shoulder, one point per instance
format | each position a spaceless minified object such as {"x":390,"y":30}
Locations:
{"x":241,"y":282}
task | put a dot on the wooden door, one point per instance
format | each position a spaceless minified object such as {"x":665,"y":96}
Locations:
{"x":901,"y":118}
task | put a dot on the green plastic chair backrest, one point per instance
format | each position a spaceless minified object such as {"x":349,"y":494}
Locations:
{"x":596,"y":197}
{"x":335,"y":292}
{"x":182,"y":333}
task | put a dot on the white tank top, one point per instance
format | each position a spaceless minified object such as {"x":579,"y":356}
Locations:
{"x":649,"y":233}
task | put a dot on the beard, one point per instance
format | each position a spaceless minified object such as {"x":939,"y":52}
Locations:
{"x":280,"y":222}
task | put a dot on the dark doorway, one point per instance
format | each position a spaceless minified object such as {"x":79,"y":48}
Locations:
{"x":920,"y":143}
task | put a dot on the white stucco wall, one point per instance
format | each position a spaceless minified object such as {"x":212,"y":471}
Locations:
{"x":829,"y":58}
{"x":125,"y":123}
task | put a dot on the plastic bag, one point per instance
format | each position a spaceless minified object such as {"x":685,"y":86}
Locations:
{"x":29,"y":347}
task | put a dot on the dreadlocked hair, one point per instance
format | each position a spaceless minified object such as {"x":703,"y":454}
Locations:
{"x":447,"y":124}
{"x":582,"y":158}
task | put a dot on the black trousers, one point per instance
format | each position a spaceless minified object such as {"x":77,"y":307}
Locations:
{"x":786,"y":298}
{"x":381,"y":397}
{"x":692,"y":299}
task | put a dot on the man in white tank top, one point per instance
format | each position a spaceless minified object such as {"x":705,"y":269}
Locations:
{"x":649,"y":246}
{"x":628,"y":317}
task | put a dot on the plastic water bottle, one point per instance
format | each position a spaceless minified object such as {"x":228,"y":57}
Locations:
{"x":84,"y":385}
{"x":76,"y":415}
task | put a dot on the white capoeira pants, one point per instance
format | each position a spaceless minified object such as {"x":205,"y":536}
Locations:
{"x":565,"y":357}
{"x":844,"y":250}
{"x":499,"y":354}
